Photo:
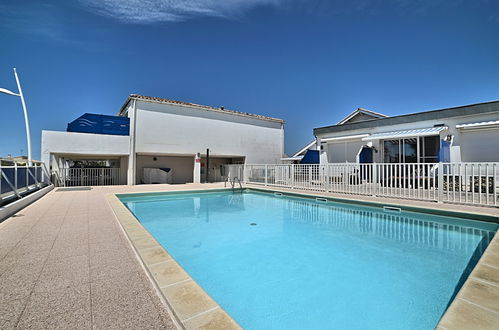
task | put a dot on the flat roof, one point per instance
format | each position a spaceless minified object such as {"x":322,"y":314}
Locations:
{"x":464,"y":110}
{"x":193,"y":105}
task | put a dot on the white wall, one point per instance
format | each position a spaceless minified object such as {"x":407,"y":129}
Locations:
{"x":183,"y":167}
{"x":340,"y":152}
{"x":175,"y":129}
{"x":480,"y":145}
{"x":54,"y":142}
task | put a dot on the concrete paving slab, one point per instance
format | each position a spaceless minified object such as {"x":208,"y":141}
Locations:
{"x":68,"y":308}
{"x":64,"y":274}
{"x":10,"y":312}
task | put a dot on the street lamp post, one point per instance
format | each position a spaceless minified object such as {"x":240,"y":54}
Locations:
{"x":26,"y":121}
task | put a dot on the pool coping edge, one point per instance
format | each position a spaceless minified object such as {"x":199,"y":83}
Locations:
{"x":175,"y":287}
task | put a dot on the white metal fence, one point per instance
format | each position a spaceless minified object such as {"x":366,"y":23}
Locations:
{"x":463,"y":183}
{"x":73,"y":177}
{"x":19,"y":180}
{"x":232,"y":171}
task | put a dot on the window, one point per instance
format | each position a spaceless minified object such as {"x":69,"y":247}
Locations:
{"x":430,"y":147}
{"x":391,"y":152}
{"x":410,"y":150}
{"x":424,"y":149}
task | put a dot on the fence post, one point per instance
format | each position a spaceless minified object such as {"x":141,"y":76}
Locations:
{"x":292,"y":176}
{"x":374,"y":172}
{"x":266,"y":175}
{"x":15,"y":175}
{"x":440,"y":182}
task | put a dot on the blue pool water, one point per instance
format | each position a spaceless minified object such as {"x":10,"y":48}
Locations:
{"x":315,"y":265}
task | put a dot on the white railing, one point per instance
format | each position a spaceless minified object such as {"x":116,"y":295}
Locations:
{"x":73,"y":177}
{"x":19,"y":180}
{"x":232,"y":171}
{"x":463,"y":183}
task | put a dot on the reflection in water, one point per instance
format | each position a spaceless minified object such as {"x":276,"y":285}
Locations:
{"x":410,"y":229}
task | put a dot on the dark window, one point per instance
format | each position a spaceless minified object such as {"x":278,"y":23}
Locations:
{"x":391,"y":151}
{"x":411,"y":150}
{"x":430,"y":146}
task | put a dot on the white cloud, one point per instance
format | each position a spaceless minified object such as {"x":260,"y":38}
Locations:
{"x":155,"y":11}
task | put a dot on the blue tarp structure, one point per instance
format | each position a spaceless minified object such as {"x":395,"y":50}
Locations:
{"x":444,"y":153}
{"x":311,"y":157}
{"x":100,"y":124}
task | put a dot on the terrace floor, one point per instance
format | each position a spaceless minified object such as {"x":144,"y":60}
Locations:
{"x":66,"y":263}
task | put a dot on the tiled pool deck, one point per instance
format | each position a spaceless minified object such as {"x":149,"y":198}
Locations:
{"x":66,"y":263}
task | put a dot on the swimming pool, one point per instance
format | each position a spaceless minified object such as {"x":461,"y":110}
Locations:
{"x":293,"y":263}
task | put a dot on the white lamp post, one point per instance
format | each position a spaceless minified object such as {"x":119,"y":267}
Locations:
{"x":26,"y":121}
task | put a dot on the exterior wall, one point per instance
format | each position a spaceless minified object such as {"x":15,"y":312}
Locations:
{"x":183,"y":167}
{"x":183,"y":130}
{"x":344,"y":151}
{"x":465,"y":146}
{"x":479,"y":145}
{"x":123,"y":169}
{"x":69,"y":143}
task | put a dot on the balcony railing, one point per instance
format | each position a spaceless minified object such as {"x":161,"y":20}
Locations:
{"x":463,"y":183}
{"x":17,"y":181}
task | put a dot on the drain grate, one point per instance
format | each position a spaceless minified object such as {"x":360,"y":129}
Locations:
{"x":74,"y":188}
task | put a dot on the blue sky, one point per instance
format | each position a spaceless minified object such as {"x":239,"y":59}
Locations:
{"x":310,"y":62}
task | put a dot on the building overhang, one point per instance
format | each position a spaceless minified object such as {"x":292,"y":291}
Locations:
{"x":481,"y":125}
{"x":406,"y":133}
{"x":292,"y":158}
{"x":345,"y":138}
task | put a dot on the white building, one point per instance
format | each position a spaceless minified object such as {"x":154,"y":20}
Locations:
{"x":467,"y":133}
{"x":358,"y":115}
{"x":166,"y":134}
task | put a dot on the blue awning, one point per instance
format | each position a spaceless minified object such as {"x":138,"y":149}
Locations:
{"x":407,"y":133}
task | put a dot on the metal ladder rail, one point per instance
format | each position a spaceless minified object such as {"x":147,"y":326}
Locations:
{"x":233,"y":183}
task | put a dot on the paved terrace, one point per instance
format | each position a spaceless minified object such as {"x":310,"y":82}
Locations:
{"x":65,"y":263}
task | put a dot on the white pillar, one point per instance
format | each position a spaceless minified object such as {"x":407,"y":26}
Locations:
{"x":197,"y":168}
{"x":132,"y":157}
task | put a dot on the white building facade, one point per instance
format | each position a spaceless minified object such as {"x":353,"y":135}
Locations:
{"x":173,"y":136}
{"x":462,"y":134}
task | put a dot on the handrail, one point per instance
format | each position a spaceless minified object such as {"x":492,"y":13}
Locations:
{"x":16,"y":180}
{"x":233,"y":183}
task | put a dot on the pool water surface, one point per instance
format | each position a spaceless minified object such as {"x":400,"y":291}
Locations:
{"x":280,"y":262}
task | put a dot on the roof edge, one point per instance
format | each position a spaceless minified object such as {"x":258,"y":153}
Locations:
{"x":194,"y":105}
{"x":362,"y":124}
{"x":364,"y":111}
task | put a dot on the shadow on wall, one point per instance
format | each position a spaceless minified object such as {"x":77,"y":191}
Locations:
{"x":182,"y":167}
